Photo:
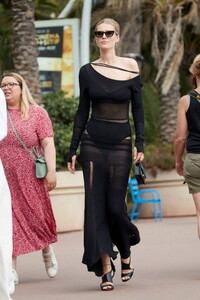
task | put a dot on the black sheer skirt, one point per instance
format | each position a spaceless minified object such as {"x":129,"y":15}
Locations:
{"x":106,"y":168}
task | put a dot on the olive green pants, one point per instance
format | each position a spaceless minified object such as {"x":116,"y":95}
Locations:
{"x":192,"y":172}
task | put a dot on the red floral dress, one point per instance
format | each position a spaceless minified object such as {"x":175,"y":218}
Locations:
{"x":34,"y":226}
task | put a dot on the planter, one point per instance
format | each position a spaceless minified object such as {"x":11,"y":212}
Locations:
{"x":68,"y":198}
{"x":176,"y":200}
{"x":68,"y":201}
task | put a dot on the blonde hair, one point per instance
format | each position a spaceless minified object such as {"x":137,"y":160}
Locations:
{"x":195,"y":66}
{"x":111,"y":22}
{"x":26,"y":98}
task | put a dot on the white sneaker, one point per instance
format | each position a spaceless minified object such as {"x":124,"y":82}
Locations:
{"x":51,"y":264}
{"x":11,"y":288}
{"x":15,"y":276}
{"x":11,"y":284}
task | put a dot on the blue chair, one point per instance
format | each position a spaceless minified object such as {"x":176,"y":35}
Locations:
{"x":143,"y":196}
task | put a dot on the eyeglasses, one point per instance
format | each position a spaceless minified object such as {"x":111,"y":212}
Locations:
{"x":108,"y":34}
{"x":9,"y":85}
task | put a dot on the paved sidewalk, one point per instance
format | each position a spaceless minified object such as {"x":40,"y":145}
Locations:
{"x":167,"y":267}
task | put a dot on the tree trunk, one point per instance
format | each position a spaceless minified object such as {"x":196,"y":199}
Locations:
{"x":131,"y":25}
{"x":167,"y":50}
{"x":25,"y":50}
{"x":168,"y":111}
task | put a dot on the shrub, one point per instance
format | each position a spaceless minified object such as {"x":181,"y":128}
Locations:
{"x":61,"y":110}
{"x":159,"y":157}
{"x":152,"y":113}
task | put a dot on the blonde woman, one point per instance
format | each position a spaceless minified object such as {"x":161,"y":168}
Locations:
{"x":108,"y":85}
{"x":188,"y":137}
{"x":34,"y":226}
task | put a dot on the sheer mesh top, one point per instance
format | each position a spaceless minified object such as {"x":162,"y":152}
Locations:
{"x":110,"y":111}
{"x":109,"y":101}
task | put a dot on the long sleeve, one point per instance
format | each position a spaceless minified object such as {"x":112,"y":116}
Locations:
{"x":3,"y":116}
{"x":81,"y":114}
{"x":138,"y":116}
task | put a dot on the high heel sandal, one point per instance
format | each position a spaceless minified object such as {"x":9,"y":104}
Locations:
{"x":108,"y":278}
{"x":126,"y":276}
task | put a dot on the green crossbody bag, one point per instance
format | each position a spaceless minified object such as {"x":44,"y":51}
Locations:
{"x":40,"y":162}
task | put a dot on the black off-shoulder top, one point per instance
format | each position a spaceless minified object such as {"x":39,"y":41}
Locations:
{"x":109,"y":100}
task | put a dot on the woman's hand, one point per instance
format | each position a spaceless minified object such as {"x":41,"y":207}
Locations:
{"x":179,"y":167}
{"x":137,"y":155}
{"x":71,"y":165}
{"x":50,"y":156}
{"x":50,"y":180}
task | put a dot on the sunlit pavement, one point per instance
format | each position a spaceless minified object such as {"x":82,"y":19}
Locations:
{"x":166,"y":262}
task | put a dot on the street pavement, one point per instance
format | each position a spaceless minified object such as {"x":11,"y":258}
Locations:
{"x":166,"y":262}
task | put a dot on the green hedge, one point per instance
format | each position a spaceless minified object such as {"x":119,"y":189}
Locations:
{"x":61,"y":110}
{"x":151,"y":103}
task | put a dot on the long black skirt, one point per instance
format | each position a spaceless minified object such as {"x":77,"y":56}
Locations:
{"x":106,"y":169}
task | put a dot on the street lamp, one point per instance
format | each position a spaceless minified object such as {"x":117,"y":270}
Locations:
{"x":85,"y":28}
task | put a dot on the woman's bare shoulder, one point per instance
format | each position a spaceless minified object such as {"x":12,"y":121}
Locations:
{"x":183,"y":103}
{"x":129,"y":64}
{"x":183,"y":99}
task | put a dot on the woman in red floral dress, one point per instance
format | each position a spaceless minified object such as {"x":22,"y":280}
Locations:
{"x":34,"y":226}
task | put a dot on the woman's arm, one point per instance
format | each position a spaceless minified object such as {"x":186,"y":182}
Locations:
{"x":3,"y":116}
{"x":181,"y":134}
{"x":138,"y":118}
{"x":80,"y":120}
{"x":50,"y":156}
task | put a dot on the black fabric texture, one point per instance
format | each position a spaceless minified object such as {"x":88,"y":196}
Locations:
{"x":106,"y":158}
{"x":106,"y":171}
{"x":109,"y":100}
{"x":193,"y":120}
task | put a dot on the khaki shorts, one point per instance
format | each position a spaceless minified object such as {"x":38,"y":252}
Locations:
{"x":192,"y":172}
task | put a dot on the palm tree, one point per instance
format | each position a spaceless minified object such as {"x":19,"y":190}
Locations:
{"x":25,"y":50}
{"x":170,"y":18}
{"x":5,"y":37}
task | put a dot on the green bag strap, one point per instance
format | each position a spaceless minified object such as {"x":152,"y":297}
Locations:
{"x":35,"y":150}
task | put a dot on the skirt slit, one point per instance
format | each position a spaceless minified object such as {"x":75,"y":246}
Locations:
{"x":106,"y":169}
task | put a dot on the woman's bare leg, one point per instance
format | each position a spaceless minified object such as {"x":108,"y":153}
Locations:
{"x":46,"y":250}
{"x":14,"y":262}
{"x":196,"y":198}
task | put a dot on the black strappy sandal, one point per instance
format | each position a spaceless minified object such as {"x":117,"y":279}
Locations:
{"x":127,"y":275}
{"x":108,"y":278}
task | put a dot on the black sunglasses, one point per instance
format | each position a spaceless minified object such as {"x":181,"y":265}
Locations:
{"x":108,"y":34}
